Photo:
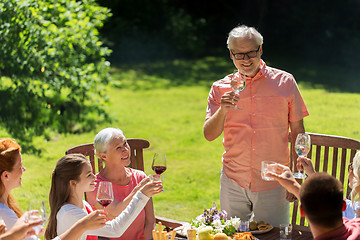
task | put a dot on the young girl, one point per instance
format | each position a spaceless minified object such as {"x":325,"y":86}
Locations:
{"x":71,"y":178}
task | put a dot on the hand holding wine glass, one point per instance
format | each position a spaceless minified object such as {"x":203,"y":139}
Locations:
{"x":237,"y":83}
{"x":302,"y":148}
{"x":105,"y":194}
{"x":159,"y":164}
{"x":37,"y":211}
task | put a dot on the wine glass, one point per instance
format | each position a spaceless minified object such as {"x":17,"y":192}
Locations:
{"x":237,"y":83}
{"x":159,"y":163}
{"x":39,"y":206}
{"x":302,"y":148}
{"x":105,"y":195}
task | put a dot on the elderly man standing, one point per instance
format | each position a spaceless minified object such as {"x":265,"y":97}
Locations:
{"x":270,"y":103}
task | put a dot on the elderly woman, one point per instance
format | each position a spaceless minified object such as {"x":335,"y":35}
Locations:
{"x":112,"y":148}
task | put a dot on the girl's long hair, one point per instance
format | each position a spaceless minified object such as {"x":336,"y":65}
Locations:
{"x":9,"y":151}
{"x":355,"y":192}
{"x":67,"y":168}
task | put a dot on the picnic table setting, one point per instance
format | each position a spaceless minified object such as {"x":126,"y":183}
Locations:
{"x":214,"y":225}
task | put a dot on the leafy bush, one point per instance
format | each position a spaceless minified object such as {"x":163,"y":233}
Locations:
{"x":52,"y":66}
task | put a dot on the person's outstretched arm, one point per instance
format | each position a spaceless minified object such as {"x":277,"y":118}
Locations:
{"x":94,"y":220}
{"x":285,"y":177}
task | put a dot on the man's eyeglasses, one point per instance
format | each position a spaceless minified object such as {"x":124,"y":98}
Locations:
{"x":350,"y":168}
{"x":241,"y":56}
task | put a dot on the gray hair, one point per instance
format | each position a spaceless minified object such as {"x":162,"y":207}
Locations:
{"x":103,"y":138}
{"x":245,"y":32}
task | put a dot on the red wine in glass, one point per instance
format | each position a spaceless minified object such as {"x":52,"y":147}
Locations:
{"x":159,"y":163}
{"x":159,"y":169}
{"x":105,"y":194}
{"x":104,"y":202}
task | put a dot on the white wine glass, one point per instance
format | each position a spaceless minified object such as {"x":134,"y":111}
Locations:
{"x":105,"y":195}
{"x":237,"y":83}
{"x":40,"y":208}
{"x":302,"y":148}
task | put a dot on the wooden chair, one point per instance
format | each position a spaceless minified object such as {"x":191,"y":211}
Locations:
{"x":330,"y":154}
{"x":137,"y":162}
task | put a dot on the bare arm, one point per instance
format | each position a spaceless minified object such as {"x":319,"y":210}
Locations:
{"x":284,"y":176}
{"x":214,"y":126}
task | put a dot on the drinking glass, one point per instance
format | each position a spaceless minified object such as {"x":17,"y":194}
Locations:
{"x":155,"y":178}
{"x":105,"y":194}
{"x":244,"y":226}
{"x":285,"y":231}
{"x":39,"y":206}
{"x":237,"y":83}
{"x":159,"y":163}
{"x":302,"y":148}
{"x":267,"y":166}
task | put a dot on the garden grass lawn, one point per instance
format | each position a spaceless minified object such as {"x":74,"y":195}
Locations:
{"x":171,"y":118}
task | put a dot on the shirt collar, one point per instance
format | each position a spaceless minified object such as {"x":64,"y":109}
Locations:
{"x":260,"y":73}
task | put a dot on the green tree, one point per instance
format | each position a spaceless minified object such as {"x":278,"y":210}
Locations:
{"x":52,"y":66}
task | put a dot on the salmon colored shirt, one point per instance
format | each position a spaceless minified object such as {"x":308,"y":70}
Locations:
{"x":136,"y":229}
{"x":258,"y":132}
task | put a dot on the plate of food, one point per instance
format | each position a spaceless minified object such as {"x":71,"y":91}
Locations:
{"x":244,"y":236}
{"x":259,"y":227}
{"x":181,"y":231}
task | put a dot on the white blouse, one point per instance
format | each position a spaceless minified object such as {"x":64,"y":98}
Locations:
{"x":69,"y":214}
{"x":10,"y":218}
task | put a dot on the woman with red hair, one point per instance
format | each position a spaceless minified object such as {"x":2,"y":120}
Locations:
{"x":11,"y":170}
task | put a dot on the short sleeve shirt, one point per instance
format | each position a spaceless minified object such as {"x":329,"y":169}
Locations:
{"x":258,"y":132}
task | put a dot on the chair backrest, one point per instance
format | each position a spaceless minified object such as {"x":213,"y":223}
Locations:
{"x":137,"y":158}
{"x":330,"y":154}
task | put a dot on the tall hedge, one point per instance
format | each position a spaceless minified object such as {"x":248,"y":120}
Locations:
{"x":52,"y":66}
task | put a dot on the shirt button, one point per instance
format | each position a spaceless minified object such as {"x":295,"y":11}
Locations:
{"x":254,"y":114}
{"x":253,"y":149}
{"x":253,"y":96}
{"x":254,"y":131}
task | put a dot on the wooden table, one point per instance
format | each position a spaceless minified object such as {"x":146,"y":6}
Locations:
{"x":275,"y":234}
